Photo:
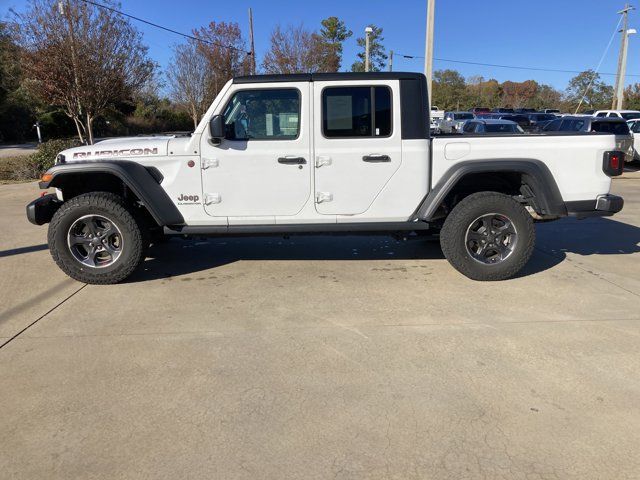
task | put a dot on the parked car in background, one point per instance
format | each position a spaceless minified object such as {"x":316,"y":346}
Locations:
{"x":539,"y":120}
{"x":525,"y":110}
{"x":625,"y":114}
{"x":480,"y":110}
{"x":521,"y":120}
{"x":491,"y":125}
{"x":436,"y":117}
{"x":502,"y":110}
{"x":634,"y":127}
{"x":454,"y":121}
{"x":551,"y":110}
{"x":611,"y":125}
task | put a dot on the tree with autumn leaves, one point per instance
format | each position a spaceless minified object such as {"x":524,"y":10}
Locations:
{"x":84,"y":59}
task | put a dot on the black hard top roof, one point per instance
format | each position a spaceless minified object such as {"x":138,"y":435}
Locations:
{"x":319,"y":77}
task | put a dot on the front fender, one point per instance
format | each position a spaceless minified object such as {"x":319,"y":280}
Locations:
{"x":143,"y":182}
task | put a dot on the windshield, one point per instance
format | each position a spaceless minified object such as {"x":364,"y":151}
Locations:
{"x":462,"y":116}
{"x":630,"y":115}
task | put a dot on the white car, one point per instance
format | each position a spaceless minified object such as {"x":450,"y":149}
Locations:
{"x":624,"y":114}
{"x":634,"y":128}
{"x":321,"y":153}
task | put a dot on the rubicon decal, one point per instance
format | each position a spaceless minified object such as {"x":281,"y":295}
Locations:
{"x":125,"y":152}
{"x":188,"y":199}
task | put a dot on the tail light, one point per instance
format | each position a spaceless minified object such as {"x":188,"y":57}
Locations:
{"x":613,"y":163}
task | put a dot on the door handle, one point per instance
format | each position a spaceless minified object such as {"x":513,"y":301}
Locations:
{"x":376,"y":158}
{"x":292,"y":160}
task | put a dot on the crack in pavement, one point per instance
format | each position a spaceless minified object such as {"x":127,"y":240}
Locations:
{"x":41,"y":317}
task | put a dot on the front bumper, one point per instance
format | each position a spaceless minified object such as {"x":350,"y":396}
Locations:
{"x":41,"y":210}
{"x":603,"y":206}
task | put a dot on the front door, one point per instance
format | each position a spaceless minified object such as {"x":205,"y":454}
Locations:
{"x":357,"y":142}
{"x":263,"y":166}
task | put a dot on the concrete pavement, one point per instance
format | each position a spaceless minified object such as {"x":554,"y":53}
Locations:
{"x":324,"y":357}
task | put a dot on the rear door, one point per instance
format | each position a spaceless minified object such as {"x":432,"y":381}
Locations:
{"x":357,"y":143}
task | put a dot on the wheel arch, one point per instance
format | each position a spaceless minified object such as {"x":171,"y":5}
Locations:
{"x":144,"y":183}
{"x":529,"y":178}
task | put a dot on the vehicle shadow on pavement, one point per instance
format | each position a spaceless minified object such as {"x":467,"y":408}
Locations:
{"x":598,"y":236}
{"x":185,"y":256}
{"x":182,"y":256}
{"x":21,"y":250}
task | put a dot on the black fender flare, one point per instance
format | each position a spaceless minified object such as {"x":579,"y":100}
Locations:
{"x":539,"y":178}
{"x":143,"y":182}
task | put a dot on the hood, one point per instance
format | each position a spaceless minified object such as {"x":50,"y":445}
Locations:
{"x":126,"y":147}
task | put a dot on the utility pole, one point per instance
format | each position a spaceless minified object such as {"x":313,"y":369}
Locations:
{"x":367,"y":61}
{"x":253,"y":48}
{"x":428,"y":51}
{"x":618,"y":91}
{"x":391,"y":60}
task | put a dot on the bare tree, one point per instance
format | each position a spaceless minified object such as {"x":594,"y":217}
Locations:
{"x":295,"y":50}
{"x":83,"y":58}
{"x":189,"y":80}
{"x":226,"y":52}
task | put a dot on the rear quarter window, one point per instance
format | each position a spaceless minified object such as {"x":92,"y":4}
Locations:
{"x":617,"y":128}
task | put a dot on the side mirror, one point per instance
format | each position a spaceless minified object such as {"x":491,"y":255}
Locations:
{"x":216,"y":127}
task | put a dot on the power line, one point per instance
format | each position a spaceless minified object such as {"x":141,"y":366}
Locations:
{"x":138,"y":19}
{"x":515,"y":67}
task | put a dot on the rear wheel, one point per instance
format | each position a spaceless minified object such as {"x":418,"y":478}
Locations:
{"x":94,"y":238}
{"x":488,"y":236}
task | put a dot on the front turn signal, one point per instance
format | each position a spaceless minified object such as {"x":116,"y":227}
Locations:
{"x":46,"y":177}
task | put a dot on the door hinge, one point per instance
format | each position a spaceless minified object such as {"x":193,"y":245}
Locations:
{"x":210,"y":163}
{"x":322,"y":197}
{"x":321,"y":161}
{"x":210,"y":198}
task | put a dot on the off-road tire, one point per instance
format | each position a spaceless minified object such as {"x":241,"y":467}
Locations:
{"x":112,"y":207}
{"x":453,"y":236}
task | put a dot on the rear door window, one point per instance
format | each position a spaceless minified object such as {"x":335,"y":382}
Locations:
{"x":356,"y":112}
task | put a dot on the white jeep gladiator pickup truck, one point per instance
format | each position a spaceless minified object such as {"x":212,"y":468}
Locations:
{"x":322,"y":153}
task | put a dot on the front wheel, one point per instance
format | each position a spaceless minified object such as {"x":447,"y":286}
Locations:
{"x":94,"y":238}
{"x":488,"y":236}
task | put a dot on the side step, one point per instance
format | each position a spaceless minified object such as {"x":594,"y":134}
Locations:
{"x":305,"y":228}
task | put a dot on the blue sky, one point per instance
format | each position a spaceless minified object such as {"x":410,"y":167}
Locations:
{"x":557,"y":34}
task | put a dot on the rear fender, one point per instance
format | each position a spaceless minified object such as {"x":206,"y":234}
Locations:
{"x":535,"y":174}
